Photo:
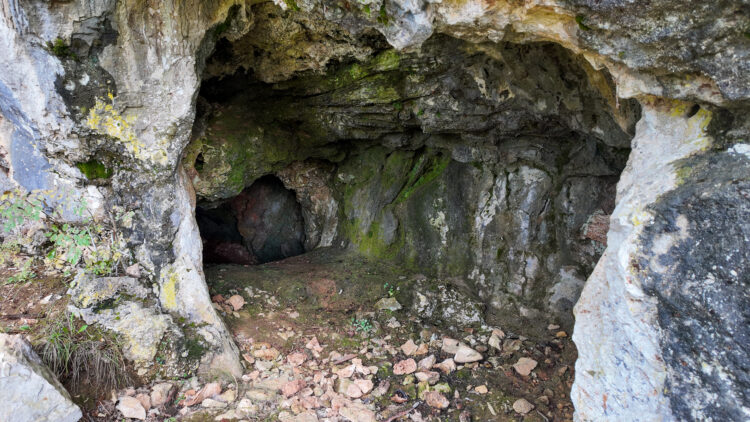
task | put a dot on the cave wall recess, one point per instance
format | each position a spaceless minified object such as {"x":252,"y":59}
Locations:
{"x":483,"y":164}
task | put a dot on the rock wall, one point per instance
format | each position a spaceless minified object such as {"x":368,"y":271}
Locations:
{"x":660,"y":326}
{"x":114,"y":83}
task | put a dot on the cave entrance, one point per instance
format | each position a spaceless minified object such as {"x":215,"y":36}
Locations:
{"x":494,"y":167}
{"x":435,"y":193}
{"x":262,"y":224}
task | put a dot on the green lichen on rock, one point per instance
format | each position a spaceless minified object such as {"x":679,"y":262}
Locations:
{"x":386,"y":60}
{"x":236,"y":151}
{"x":427,"y":169}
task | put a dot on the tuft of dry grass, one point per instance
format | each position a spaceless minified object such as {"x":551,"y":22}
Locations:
{"x":82,"y":356}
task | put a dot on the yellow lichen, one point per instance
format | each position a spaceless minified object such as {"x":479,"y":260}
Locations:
{"x":169,"y":291}
{"x":104,"y":119}
{"x":639,"y":218}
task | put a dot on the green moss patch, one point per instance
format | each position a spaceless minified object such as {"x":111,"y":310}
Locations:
{"x":93,"y":170}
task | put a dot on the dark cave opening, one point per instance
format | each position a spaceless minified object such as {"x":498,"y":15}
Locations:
{"x":262,"y":224}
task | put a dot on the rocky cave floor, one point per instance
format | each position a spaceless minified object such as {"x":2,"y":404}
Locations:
{"x":322,"y":340}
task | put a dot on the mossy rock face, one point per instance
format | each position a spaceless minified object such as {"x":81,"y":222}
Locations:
{"x":93,"y":170}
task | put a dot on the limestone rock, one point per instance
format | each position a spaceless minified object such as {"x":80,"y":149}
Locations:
{"x":466,"y":354}
{"x":228,"y":415}
{"x":653,"y":319}
{"x":522,"y":406}
{"x":306,"y":417}
{"x":88,"y":291}
{"x":131,"y":408}
{"x":403,"y":367}
{"x":447,"y":304}
{"x":208,"y":391}
{"x":409,"y":348}
{"x":228,"y":396}
{"x":356,"y":412}
{"x":141,"y":328}
{"x":544,"y":128}
{"x":388,"y":304}
{"x":447,"y":366}
{"x":145,"y":400}
{"x":133,"y":271}
{"x":358,"y":388}
{"x":430,"y":377}
{"x":292,"y":387}
{"x":314,"y":345}
{"x":524,"y":366}
{"x":29,"y":389}
{"x":450,"y":346}
{"x":495,"y":343}
{"x":213,"y":404}
{"x":246,"y":408}
{"x":266,"y":353}
{"x":364,"y":385}
{"x":296,"y":359}
{"x":436,"y":400}
{"x":160,"y":393}
{"x":237,"y":302}
{"x":427,"y":363}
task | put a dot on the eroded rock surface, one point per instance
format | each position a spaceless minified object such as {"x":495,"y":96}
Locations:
{"x":29,"y":390}
{"x":629,"y":298}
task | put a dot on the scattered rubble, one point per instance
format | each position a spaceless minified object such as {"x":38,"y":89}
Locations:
{"x":401,"y":369}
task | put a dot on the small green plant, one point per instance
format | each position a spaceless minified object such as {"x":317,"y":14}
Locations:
{"x":17,"y":209}
{"x":99,"y":249}
{"x":362,"y":325}
{"x":179,"y":398}
{"x":68,"y":242}
{"x":80,"y":355}
{"x":391,"y":289}
{"x":60,"y":49}
{"x":23,"y":275}
{"x":292,"y":5}
{"x":383,"y":15}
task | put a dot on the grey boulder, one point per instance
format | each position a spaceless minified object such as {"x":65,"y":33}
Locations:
{"x":28,"y":389}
